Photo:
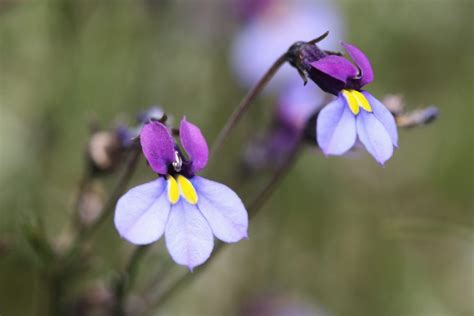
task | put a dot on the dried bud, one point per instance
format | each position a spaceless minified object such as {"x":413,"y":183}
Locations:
{"x":104,"y":150}
{"x":418,"y":117}
{"x":91,"y":204}
{"x":97,"y":300}
{"x":394,"y":103}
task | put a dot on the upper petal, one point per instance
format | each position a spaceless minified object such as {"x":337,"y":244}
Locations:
{"x":336,"y":128}
{"x":194,"y":144}
{"x":362,"y":62}
{"x":142,"y":212}
{"x":337,"y":67}
{"x":188,"y":236}
{"x":374,"y":136}
{"x":384,"y":116}
{"x":223,"y":209}
{"x":158,"y":146}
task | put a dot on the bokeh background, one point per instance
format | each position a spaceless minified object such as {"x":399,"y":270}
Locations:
{"x":340,"y":236}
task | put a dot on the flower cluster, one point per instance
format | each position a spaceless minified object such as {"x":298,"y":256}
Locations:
{"x":189,"y":210}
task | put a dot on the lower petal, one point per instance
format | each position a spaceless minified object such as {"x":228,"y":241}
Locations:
{"x":336,"y":128}
{"x":374,"y":136}
{"x":142,"y":212}
{"x":223,"y":209}
{"x":189,"y":238}
{"x":384,"y":116}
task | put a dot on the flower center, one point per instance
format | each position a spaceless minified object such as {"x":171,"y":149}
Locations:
{"x":181,"y":186}
{"x":178,"y":162}
{"x":356,"y":100}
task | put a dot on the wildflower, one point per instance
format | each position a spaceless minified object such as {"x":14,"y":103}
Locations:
{"x":355,"y":113}
{"x":188,"y":209}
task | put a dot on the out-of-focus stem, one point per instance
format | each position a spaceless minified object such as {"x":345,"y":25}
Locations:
{"x":126,"y":279}
{"x":246,"y":102}
{"x":253,"y":209}
{"x":84,"y":182}
{"x":130,"y":166}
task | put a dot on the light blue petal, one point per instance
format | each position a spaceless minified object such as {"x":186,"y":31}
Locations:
{"x":374,"y":136}
{"x":223,"y":210}
{"x":336,"y":128}
{"x":188,"y":236}
{"x":142,"y":212}
{"x":384,"y":116}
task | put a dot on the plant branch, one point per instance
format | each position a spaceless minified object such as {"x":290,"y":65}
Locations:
{"x":124,"y":178}
{"x":246,"y":102}
{"x":126,"y":279}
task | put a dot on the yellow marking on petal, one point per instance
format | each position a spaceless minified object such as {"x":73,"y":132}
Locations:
{"x":173,"y":190}
{"x":351,"y":101}
{"x":362,"y":100}
{"x":187,"y":190}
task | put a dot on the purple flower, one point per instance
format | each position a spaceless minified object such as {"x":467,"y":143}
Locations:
{"x":188,"y":209}
{"x":355,"y":114}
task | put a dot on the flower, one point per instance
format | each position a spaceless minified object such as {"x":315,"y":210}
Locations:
{"x":355,"y":113}
{"x":188,"y":209}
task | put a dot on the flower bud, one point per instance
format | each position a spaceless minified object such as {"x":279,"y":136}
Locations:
{"x":104,"y":151}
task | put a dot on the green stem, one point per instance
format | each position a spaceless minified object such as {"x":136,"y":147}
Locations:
{"x":245,"y":103}
{"x":125,"y":282}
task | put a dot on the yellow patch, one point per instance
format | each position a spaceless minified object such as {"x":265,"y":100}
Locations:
{"x":356,"y":100}
{"x":351,"y":101}
{"x":362,"y":100}
{"x":173,"y":190}
{"x":187,"y":190}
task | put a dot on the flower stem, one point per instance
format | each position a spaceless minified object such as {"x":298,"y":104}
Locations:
{"x":246,"y":102}
{"x":124,"y":178}
{"x":83,"y":184}
{"x":126,"y":279}
{"x":255,"y":206}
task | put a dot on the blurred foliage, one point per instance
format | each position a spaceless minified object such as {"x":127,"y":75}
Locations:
{"x":340,"y":232}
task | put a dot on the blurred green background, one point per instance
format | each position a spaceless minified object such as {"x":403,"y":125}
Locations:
{"x":341,"y":233}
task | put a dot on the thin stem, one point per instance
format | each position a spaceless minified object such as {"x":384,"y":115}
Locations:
{"x":255,"y":206}
{"x":125,"y":282}
{"x":83,"y":184}
{"x":246,"y":102}
{"x":122,"y":182}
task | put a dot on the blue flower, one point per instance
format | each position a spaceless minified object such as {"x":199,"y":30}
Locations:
{"x":189,"y":210}
{"x":355,"y":114}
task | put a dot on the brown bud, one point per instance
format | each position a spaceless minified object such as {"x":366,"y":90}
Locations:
{"x":104,"y":150}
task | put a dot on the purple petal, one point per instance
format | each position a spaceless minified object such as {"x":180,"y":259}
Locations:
{"x":158,"y":146}
{"x":188,"y":236}
{"x":142,"y":212}
{"x":223,"y":209}
{"x":337,"y":67}
{"x":384,"y":116}
{"x":374,"y":136}
{"x":362,"y":62}
{"x":194,"y":144}
{"x":336,"y":128}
